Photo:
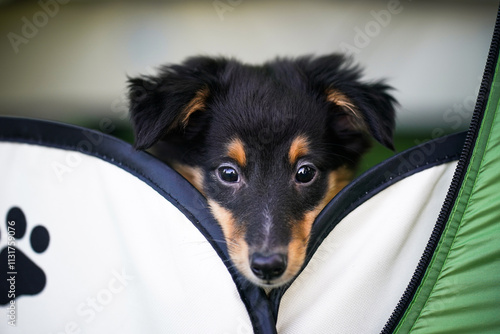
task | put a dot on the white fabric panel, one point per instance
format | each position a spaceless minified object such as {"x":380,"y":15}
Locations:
{"x":121,"y":258}
{"x":358,"y":274}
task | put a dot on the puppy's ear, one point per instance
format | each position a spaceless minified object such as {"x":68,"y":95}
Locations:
{"x":168,"y":104}
{"x":366,"y":108}
{"x":358,"y":107}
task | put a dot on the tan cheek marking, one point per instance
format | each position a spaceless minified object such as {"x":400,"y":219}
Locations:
{"x":297,"y":248}
{"x":340,"y":99}
{"x":225,"y":219}
{"x":299,"y":148}
{"x":237,"y":247}
{"x":337,"y":180}
{"x":236,"y":151}
{"x":193,"y":174}
{"x":301,"y":230}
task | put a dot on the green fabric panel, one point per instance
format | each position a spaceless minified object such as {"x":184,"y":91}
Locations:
{"x":460,"y":292}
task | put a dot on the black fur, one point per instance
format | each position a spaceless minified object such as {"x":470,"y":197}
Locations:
{"x":266,"y":107}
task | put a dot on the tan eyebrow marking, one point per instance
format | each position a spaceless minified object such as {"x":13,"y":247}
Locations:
{"x":299,"y":148}
{"x":236,"y":151}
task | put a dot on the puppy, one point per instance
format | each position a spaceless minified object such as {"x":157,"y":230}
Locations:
{"x":268,"y":146}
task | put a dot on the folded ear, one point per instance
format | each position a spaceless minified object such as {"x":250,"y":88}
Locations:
{"x":358,"y":107}
{"x":167,"y":104}
{"x":368,"y":108}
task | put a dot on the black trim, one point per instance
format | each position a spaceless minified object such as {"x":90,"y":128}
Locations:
{"x":456,"y":183}
{"x":390,"y":171}
{"x":159,"y":176}
{"x":261,"y":309}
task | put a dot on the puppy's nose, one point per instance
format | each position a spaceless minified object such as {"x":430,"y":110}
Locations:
{"x":268,"y":267}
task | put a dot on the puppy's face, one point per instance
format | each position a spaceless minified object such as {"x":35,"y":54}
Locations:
{"x":266,"y":199}
{"x":269,"y":146}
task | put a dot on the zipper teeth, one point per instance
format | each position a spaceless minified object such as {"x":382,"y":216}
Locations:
{"x":454,"y":186}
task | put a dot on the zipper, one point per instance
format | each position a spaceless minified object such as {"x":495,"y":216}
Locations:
{"x":456,"y":183}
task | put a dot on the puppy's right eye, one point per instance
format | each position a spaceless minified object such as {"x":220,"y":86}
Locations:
{"x":228,"y":174}
{"x":305,"y":174}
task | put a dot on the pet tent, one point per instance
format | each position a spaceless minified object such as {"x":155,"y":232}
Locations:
{"x":96,"y":237}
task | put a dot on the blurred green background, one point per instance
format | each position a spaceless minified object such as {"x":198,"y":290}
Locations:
{"x":68,"y":60}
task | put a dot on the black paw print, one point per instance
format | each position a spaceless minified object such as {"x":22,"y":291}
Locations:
{"x":18,"y":274}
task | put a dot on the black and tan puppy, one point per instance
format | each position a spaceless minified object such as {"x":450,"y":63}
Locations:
{"x":268,"y":146}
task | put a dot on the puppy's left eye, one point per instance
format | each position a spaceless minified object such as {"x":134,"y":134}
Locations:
{"x":305,"y":174}
{"x":228,"y":174}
